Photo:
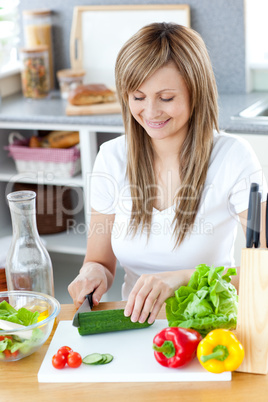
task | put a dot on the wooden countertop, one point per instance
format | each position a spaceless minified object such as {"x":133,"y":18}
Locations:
{"x":19,"y":382}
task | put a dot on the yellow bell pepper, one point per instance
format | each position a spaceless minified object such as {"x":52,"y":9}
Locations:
{"x":220,"y":351}
{"x":43,"y":316}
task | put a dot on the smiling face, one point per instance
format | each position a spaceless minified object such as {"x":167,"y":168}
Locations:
{"x":161,"y":105}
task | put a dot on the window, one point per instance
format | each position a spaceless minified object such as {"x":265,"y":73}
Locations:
{"x":256,"y":12}
{"x":9,"y":34}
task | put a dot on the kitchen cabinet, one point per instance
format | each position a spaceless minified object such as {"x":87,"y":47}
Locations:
{"x":72,"y":241}
{"x":66,"y":248}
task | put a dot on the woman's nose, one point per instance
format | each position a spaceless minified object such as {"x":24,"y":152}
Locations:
{"x":152,"y":110}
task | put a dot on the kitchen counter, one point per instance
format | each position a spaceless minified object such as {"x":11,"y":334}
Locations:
{"x":19,"y":382}
{"x":51,"y":111}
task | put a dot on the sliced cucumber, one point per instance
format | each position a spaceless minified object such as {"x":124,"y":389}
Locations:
{"x":98,"y":358}
{"x":108,"y":358}
{"x":93,"y":358}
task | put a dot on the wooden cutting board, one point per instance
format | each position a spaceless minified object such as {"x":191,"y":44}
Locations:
{"x":100,"y":108}
{"x":133,"y":358}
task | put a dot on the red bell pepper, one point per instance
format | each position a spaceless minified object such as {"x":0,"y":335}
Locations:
{"x":176,"y":346}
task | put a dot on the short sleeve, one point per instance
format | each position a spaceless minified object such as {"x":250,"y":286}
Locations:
{"x":245,"y":169}
{"x":108,"y":176}
{"x":103,"y":185}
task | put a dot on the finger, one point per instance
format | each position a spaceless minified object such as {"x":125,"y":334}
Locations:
{"x":72,"y":291}
{"x":131,"y":299}
{"x":149,"y":303}
{"x":139,"y":302}
{"x":157,"y":307}
{"x":98,"y":293}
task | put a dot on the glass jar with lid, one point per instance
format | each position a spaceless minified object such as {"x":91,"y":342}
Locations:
{"x":35,"y":72}
{"x":38,"y":31}
{"x":69,"y":79}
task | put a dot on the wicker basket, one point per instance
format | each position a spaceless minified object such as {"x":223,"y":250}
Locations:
{"x":53,"y":206}
{"x":62,"y":163}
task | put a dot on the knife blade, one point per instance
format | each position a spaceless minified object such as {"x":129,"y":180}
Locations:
{"x":253,"y":196}
{"x":257,"y":224}
{"x":84,"y":308}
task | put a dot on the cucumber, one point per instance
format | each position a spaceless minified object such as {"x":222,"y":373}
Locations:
{"x":96,"y":322}
{"x":97,"y":358}
{"x":93,"y":358}
{"x":108,"y":358}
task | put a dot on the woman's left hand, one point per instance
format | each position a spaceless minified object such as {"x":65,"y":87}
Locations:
{"x":149,"y":294}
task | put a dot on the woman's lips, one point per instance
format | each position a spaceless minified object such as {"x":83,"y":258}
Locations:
{"x":157,"y":124}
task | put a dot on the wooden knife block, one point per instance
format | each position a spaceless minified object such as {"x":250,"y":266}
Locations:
{"x":252,"y":320}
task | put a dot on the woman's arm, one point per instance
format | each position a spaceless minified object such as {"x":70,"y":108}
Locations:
{"x":98,"y":270}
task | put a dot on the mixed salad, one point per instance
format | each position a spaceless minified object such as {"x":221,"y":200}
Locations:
{"x":13,"y":345}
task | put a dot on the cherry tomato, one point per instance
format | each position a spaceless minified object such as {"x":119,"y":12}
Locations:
{"x":59,"y":361}
{"x":74,"y":360}
{"x":64,"y":350}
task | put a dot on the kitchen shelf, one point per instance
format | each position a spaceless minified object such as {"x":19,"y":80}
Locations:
{"x":9,"y":173}
{"x":68,"y":242}
{"x":72,"y":241}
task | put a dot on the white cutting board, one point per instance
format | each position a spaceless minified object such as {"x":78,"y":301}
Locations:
{"x":134,"y":359}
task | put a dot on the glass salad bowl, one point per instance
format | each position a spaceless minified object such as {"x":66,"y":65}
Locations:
{"x":26,"y":321}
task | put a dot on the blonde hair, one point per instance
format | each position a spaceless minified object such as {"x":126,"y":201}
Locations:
{"x":152,"y":47}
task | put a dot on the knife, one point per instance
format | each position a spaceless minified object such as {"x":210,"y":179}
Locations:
{"x":253,"y":198}
{"x":257,"y":224}
{"x":84,"y":308}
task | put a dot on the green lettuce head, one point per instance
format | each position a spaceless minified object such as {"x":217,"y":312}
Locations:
{"x":209,"y":301}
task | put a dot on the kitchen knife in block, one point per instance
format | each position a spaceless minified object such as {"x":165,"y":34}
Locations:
{"x":257,"y":224}
{"x":251,"y":220}
{"x":252,"y":323}
{"x":84,"y":308}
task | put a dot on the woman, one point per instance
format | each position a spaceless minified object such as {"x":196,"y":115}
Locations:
{"x":168,"y":195}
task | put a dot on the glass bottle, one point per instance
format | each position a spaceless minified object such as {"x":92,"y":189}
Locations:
{"x":28,"y":264}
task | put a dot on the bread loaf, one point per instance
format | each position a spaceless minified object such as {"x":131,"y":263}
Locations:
{"x":34,"y":142}
{"x":60,"y":139}
{"x":90,"y":94}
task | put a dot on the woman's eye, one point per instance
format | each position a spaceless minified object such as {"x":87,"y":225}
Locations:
{"x":167,"y":99}
{"x":138,"y":99}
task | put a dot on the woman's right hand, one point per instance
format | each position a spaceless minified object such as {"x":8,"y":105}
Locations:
{"x":92,"y":277}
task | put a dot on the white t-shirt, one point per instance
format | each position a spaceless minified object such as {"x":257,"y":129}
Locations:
{"x":233,"y":167}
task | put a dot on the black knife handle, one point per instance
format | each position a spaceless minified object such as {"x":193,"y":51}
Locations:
{"x":257,"y":225}
{"x":251,"y":214}
{"x":90,"y":299}
{"x":266,"y":228}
